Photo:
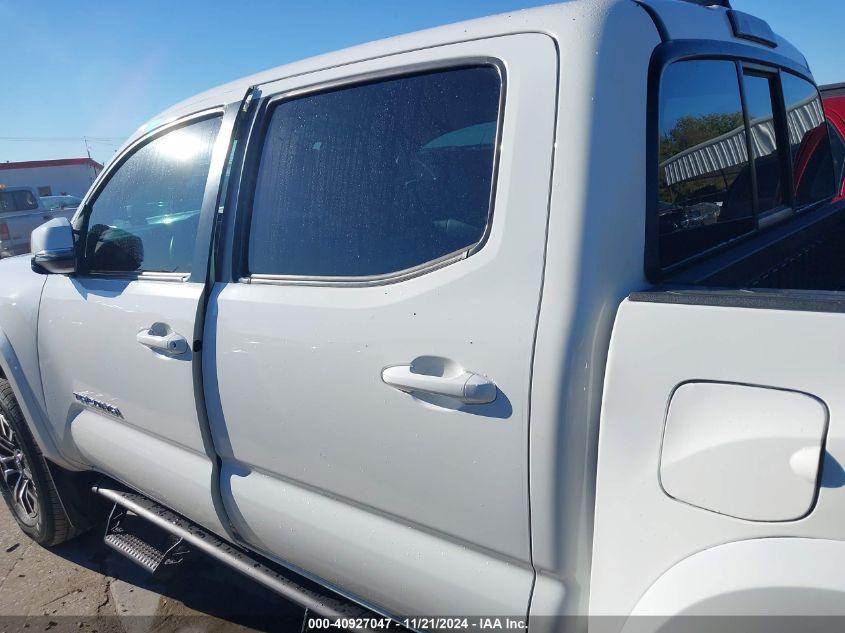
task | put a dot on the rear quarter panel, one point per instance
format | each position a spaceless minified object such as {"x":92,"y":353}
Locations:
{"x":640,"y":531}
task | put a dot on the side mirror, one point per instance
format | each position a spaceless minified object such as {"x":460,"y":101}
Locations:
{"x":52,"y":247}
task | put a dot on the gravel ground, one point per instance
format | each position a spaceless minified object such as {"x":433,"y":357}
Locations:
{"x":85,"y":586}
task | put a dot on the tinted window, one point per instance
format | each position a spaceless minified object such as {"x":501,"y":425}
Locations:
{"x":25,"y":200}
{"x":376,"y":178}
{"x":145,"y":218}
{"x":838,"y":146}
{"x":764,"y":140}
{"x":7,"y":202}
{"x":704,"y":172}
{"x":812,"y":162}
{"x":17,"y":201}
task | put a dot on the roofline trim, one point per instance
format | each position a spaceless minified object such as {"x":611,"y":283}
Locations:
{"x":60,"y":162}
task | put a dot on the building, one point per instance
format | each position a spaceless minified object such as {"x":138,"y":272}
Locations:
{"x":52,"y":177}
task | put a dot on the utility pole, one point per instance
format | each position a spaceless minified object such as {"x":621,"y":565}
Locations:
{"x":90,"y":160}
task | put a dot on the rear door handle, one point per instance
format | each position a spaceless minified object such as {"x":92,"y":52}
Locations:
{"x":467,"y":387}
{"x":161,"y":338}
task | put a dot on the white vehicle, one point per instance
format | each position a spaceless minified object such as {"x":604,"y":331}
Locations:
{"x":535,"y":315}
{"x":64,"y":201}
{"x":20,"y":212}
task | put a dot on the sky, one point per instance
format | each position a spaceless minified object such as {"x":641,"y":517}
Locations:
{"x":98,"y":70}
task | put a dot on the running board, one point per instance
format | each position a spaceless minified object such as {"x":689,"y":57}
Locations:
{"x":318,"y":600}
{"x":145,"y":544}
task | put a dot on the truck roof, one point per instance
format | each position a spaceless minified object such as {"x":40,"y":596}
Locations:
{"x":578,"y":23}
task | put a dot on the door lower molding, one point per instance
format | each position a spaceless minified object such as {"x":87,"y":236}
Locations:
{"x":401,"y":569}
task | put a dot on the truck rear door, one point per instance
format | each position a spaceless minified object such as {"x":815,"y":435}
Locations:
{"x":372,"y":354}
{"x":723,"y":420}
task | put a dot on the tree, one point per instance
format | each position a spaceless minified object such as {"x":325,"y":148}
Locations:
{"x":690,"y":131}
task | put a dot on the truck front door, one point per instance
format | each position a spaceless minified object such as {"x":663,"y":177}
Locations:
{"x":116,"y":339}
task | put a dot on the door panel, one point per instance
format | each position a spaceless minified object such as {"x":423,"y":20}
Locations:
{"x":770,"y":376}
{"x":331,"y":470}
{"x":88,"y":346}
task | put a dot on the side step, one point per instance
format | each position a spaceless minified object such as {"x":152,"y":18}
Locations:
{"x":139,"y":540}
{"x":306,"y":594}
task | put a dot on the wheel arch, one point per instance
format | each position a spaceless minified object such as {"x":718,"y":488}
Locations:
{"x":31,"y":402}
{"x":757,"y":577}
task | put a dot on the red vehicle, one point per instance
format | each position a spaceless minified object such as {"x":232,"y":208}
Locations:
{"x":833,"y":98}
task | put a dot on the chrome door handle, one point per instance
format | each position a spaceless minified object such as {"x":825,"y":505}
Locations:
{"x":467,"y":387}
{"x":161,"y":338}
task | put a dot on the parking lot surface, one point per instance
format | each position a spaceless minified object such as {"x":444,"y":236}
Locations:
{"x":83,"y":585}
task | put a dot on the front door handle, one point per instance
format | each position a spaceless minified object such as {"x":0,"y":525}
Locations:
{"x":467,"y":387}
{"x":161,"y":338}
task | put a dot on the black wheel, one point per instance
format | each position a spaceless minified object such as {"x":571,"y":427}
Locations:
{"x":26,"y":482}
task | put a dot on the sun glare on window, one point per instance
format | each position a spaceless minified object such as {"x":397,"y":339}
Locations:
{"x":181,"y":145}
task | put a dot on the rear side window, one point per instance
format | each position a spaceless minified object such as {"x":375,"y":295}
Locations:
{"x":376,"y":178}
{"x":704,"y":190}
{"x":812,"y":159}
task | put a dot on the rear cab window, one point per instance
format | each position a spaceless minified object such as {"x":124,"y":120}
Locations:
{"x":705,"y":194}
{"x":812,"y":157}
{"x":741,"y":146}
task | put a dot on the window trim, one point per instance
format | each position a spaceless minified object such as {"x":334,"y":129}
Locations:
{"x":757,"y":60}
{"x":255,"y":146}
{"x":84,"y":211}
{"x":769,"y":217}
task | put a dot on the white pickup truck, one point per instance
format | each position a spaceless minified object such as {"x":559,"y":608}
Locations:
{"x":21,"y":211}
{"x":535,"y":315}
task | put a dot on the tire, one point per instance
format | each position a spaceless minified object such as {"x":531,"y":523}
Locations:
{"x":25,"y":481}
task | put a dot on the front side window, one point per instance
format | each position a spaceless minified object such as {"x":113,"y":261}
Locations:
{"x":146,"y":216}
{"x":704,"y":189}
{"x":376,"y":178}
{"x":812,"y":160}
